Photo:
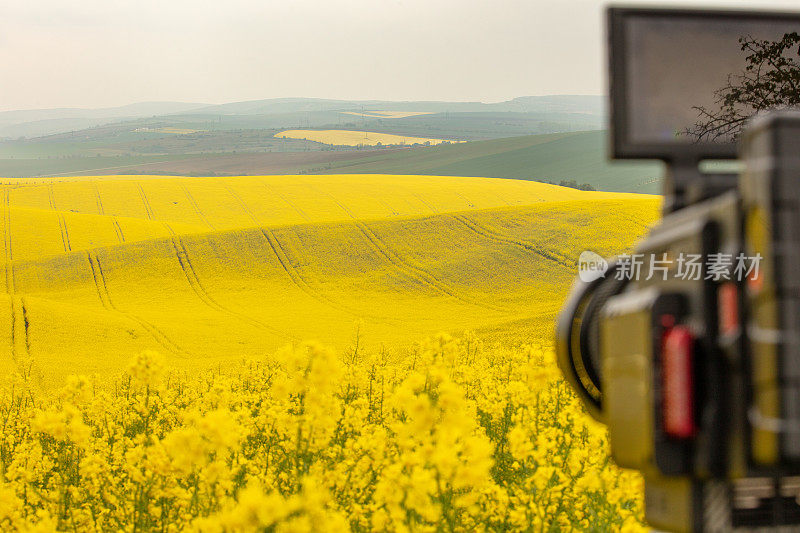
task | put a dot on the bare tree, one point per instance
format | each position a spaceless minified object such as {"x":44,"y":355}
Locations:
{"x":771,"y":80}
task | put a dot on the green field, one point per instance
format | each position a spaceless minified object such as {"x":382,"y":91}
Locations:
{"x":554,"y":157}
{"x":561,"y":156}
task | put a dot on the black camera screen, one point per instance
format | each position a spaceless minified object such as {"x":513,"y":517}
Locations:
{"x":688,"y":78}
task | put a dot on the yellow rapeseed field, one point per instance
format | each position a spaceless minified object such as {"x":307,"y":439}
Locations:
{"x":158,"y":375}
{"x":358,"y":138}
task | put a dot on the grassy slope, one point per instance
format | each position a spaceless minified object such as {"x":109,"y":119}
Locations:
{"x":207,"y":270}
{"x":555,"y":157}
{"x":551,"y":157}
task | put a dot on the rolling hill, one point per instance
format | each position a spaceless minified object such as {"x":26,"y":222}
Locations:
{"x":211,"y":270}
{"x":280,"y":113}
{"x":38,"y":122}
{"x":577,"y":156}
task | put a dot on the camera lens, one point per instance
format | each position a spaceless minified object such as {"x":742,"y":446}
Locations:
{"x":578,"y":337}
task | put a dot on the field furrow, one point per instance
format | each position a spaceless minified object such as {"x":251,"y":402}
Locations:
{"x":408,"y":269}
{"x":13,"y":344}
{"x":197,"y":286}
{"x":64,"y":233}
{"x":292,"y":206}
{"x":295,"y":276}
{"x":418,"y":273}
{"x":9,"y":267}
{"x":100,"y":209}
{"x":105,"y":298}
{"x":146,"y":203}
{"x":242,"y":204}
{"x":197,"y":208}
{"x":483,"y":231}
{"x":20,"y":343}
{"x":25,"y":327}
{"x":118,"y":230}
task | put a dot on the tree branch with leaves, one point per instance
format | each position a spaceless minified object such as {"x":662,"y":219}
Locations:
{"x":770,"y":80}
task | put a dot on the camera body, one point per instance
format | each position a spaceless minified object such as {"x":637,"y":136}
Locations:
{"x":688,"y":349}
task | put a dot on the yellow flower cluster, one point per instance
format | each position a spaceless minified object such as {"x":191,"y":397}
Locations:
{"x":453,"y":436}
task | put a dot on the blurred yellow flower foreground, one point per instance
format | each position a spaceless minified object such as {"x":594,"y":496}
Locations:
{"x":455,"y":436}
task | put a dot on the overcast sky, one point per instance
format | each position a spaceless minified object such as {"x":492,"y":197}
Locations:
{"x":99,"y":53}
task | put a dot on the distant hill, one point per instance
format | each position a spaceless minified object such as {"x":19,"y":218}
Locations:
{"x":294,"y":112}
{"x":577,"y":156}
{"x":38,"y":122}
{"x":588,"y":104}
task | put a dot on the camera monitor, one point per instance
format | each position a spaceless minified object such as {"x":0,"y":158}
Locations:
{"x":683,"y":82}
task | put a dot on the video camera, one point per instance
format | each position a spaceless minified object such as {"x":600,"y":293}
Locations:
{"x":688,"y":349}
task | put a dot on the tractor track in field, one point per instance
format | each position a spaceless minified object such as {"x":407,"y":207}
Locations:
{"x":20,"y":337}
{"x":105,"y":299}
{"x":118,"y":230}
{"x":300,"y":212}
{"x":9,"y":267}
{"x":197,"y":208}
{"x":62,"y":222}
{"x":490,"y":234}
{"x":64,"y":233}
{"x":147,"y":208}
{"x":20,"y":344}
{"x":13,"y":339}
{"x":100,"y":208}
{"x":51,"y":196}
{"x":25,"y":324}
{"x":467,"y":200}
{"x":197,"y":286}
{"x":414,"y":272}
{"x":425,"y":203}
{"x":291,"y":272}
{"x":243,"y":204}
{"x":10,"y":289}
{"x":295,"y":276}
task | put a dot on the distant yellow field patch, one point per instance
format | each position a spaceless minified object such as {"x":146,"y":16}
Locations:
{"x":357,"y":138}
{"x":388,"y":114}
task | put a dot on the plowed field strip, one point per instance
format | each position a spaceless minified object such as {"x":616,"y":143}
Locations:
{"x":197,"y":286}
{"x":105,"y":299}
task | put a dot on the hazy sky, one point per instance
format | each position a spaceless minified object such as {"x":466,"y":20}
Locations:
{"x":97,"y":53}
